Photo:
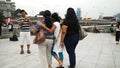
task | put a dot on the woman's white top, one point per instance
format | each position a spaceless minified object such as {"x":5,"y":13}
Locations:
{"x":57,"y":47}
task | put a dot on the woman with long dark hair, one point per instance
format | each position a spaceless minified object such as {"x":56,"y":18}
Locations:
{"x":70,"y":35}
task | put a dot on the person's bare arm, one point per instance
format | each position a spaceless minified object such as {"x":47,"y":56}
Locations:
{"x":31,"y":24}
{"x":46,"y":28}
{"x":64,"y":31}
{"x":34,"y":31}
{"x":50,"y":30}
{"x":20,"y":23}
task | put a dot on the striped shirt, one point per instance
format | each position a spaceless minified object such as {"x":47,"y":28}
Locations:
{"x":48,"y":35}
{"x":25,"y":27}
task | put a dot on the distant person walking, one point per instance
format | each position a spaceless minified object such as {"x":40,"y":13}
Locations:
{"x":70,"y":35}
{"x":117,"y":36}
{"x":95,"y":30}
{"x":25,"y":35}
{"x":10,"y":27}
{"x":56,"y":48}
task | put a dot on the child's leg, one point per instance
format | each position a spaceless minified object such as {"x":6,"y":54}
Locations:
{"x":56,"y":56}
{"x":61,"y":56}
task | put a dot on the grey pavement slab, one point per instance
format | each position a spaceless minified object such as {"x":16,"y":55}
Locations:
{"x":95,"y":51}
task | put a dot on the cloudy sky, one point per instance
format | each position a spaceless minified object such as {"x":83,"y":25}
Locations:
{"x":89,"y":8}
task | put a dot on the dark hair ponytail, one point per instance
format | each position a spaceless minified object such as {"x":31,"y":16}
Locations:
{"x":55,"y":17}
{"x":48,"y":22}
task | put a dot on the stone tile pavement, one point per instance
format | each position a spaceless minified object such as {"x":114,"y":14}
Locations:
{"x":95,"y":51}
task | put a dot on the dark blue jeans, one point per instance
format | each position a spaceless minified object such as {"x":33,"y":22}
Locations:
{"x":70,"y":44}
{"x":117,"y":36}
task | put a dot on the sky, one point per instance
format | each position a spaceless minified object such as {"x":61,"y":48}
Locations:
{"x":89,"y":8}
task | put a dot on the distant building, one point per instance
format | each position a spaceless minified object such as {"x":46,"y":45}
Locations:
{"x":109,"y":18}
{"x":100,"y":17}
{"x":78,"y":13}
{"x":7,"y":7}
{"x":117,"y":16}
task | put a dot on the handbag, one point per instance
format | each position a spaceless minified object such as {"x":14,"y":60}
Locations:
{"x":39,"y":38}
{"x":82,"y":33}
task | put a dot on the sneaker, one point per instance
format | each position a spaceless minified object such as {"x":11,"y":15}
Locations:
{"x":28,"y":51}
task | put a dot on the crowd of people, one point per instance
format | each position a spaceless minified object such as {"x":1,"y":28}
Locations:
{"x":58,"y":36}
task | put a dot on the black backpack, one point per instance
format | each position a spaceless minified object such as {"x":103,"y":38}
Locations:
{"x":14,"y":38}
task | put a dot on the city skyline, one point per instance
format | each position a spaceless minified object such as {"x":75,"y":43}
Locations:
{"x":78,"y":13}
{"x":89,"y":8}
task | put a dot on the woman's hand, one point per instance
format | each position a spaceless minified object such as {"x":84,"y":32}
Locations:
{"x":40,"y":24}
{"x":26,"y":19}
{"x":64,"y":31}
{"x":34,"y":31}
{"x":62,"y":44}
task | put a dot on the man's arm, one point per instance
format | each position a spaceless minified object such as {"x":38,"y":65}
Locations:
{"x":30,"y":22}
{"x":20,"y":22}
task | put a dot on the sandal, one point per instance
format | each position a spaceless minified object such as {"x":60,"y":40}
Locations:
{"x":21,"y":52}
{"x":28,"y":51}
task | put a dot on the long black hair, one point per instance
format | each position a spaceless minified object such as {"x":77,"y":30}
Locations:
{"x":48,"y":22}
{"x":55,"y":17}
{"x":71,"y":18}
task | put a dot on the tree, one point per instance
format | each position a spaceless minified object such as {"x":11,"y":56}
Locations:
{"x":2,"y":18}
{"x":17,"y":12}
{"x":41,"y":12}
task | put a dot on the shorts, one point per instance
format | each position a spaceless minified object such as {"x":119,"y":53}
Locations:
{"x":25,"y":38}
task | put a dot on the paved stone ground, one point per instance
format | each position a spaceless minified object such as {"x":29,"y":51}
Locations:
{"x":95,"y":51}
